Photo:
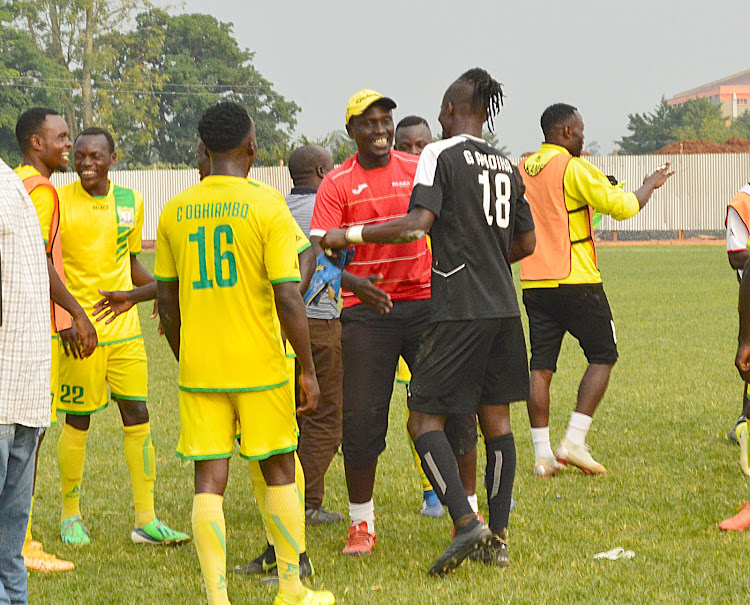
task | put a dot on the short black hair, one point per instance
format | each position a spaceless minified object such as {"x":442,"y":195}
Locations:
{"x":555,"y":115}
{"x":30,"y":123}
{"x":224,"y":126}
{"x":93,"y":131}
{"x":411,"y":121}
{"x":486,"y":93}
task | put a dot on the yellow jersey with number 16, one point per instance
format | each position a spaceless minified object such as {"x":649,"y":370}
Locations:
{"x":228,"y":241}
{"x":98,"y":236}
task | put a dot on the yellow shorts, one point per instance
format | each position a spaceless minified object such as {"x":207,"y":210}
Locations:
{"x":83,"y":382}
{"x":55,"y":377}
{"x":403,"y":375}
{"x":209,"y":422}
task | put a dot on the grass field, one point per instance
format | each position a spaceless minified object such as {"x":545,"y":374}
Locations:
{"x":661,"y":431}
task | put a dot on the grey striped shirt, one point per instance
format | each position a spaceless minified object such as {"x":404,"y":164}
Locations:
{"x":24,"y":335}
{"x":301,"y":202}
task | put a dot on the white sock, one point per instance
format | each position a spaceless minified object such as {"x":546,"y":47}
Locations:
{"x":578,"y":427}
{"x":363,"y":512}
{"x":542,"y":447}
{"x":473,"y":503}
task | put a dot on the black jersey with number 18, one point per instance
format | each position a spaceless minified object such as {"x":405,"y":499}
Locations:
{"x":477,"y":197}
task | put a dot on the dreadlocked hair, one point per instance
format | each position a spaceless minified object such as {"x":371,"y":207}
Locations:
{"x":487,"y":93}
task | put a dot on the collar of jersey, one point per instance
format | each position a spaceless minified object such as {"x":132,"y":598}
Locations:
{"x":98,"y":197}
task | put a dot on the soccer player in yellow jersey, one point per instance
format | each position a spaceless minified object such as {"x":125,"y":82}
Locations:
{"x":266,"y":562}
{"x":42,"y":136}
{"x":100,"y":226}
{"x":228,"y":281}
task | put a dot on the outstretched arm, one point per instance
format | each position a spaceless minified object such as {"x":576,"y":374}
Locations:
{"x":652,"y":183}
{"x":363,"y":288}
{"x":117,"y":302}
{"x":409,"y":228}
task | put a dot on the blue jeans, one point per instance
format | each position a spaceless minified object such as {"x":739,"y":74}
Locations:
{"x":17,"y":448}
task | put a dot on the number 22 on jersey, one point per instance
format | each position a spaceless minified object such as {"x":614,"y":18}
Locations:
{"x":502,"y":197}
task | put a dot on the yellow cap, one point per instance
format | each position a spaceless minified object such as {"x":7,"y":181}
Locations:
{"x":360,"y":101}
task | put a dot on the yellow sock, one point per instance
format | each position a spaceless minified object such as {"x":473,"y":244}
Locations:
{"x":209,"y":536}
{"x":71,"y":455}
{"x":259,"y":489}
{"x":299,"y":480}
{"x":285,"y":520}
{"x":141,"y":459}
{"x":28,"y":537}
{"x":426,"y":485}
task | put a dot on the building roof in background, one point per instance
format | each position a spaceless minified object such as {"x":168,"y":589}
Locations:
{"x":739,"y":79}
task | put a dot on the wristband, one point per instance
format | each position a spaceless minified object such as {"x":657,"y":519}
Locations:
{"x":354,"y":234}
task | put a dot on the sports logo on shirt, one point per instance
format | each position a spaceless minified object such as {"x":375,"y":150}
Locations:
{"x":359,"y":189}
{"x":125,"y":216}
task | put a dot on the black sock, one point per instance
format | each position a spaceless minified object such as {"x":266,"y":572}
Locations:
{"x":439,"y":464}
{"x":498,"y":479}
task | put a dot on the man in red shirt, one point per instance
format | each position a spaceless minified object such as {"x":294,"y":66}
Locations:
{"x":386,"y":293}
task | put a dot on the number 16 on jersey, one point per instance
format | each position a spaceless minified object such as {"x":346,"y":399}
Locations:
{"x":221,"y":259}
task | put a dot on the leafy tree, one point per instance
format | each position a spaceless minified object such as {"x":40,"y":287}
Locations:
{"x":73,"y":33}
{"x":701,"y":120}
{"x":695,"y":120}
{"x":24,"y":74}
{"x":169,"y":69}
{"x":741,"y":126}
{"x":651,"y":131}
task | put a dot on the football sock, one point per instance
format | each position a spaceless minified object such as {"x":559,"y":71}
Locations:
{"x":473,"y":502}
{"x":285,"y":520}
{"x":71,"y":455}
{"x":209,"y":536}
{"x":426,"y":485}
{"x":363,"y":512}
{"x":578,"y":428}
{"x":259,"y":489}
{"x":501,"y":472}
{"x":542,"y":446}
{"x":439,"y":464}
{"x":299,"y":480}
{"x":141,"y":459}
{"x":28,"y":537}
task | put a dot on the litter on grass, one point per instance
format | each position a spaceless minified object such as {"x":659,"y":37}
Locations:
{"x":616,"y":553}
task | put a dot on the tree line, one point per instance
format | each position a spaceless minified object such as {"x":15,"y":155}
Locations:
{"x":138,"y":71}
{"x":698,"y":120}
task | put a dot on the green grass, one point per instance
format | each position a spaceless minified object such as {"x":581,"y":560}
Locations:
{"x":661,"y":431}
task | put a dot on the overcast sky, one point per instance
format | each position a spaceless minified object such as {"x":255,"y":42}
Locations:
{"x":607,"y":58}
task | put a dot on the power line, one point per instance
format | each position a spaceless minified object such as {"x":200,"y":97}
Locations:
{"x":154,"y":93}
{"x":204,"y":85}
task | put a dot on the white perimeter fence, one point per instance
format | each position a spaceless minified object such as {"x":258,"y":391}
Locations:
{"x":694,"y":199}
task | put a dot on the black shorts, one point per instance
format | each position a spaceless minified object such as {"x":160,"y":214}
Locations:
{"x":463,"y":365}
{"x":370,"y":347}
{"x":582,"y":310}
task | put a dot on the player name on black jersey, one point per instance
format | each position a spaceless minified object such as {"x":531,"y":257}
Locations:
{"x":487,"y":160}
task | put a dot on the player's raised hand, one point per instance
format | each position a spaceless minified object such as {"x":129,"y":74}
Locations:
{"x":309,"y":393}
{"x":742,"y":360}
{"x":365,"y":289}
{"x":335,"y":239}
{"x":113,"y":304}
{"x":660,"y":175}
